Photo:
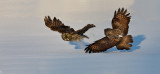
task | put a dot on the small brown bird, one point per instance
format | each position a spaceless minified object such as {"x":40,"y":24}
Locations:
{"x":68,"y":34}
{"x":114,"y":37}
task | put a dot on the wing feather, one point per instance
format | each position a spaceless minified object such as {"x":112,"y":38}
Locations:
{"x":121,"y":20}
{"x":57,"y":25}
{"x":84,"y":29}
{"x":101,"y":45}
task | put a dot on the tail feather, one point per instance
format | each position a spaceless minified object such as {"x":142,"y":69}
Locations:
{"x":125,"y":43}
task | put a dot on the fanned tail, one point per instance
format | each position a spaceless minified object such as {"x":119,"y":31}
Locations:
{"x":125,"y":43}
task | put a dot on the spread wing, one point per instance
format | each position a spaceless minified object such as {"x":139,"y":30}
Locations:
{"x":101,"y":45}
{"x":106,"y":43}
{"x":84,"y":29}
{"x":121,"y":20}
{"x":57,"y":25}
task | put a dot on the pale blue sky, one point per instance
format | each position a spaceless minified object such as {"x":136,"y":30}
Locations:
{"x":27,"y":46}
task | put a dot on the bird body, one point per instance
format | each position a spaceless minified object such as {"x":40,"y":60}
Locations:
{"x":72,"y":37}
{"x":117,"y":36}
{"x":68,"y":34}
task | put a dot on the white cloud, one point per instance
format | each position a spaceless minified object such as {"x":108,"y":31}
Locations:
{"x":81,"y":9}
{"x":17,"y":8}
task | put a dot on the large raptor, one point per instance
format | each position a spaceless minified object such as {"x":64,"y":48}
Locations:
{"x":68,"y":34}
{"x":117,"y":36}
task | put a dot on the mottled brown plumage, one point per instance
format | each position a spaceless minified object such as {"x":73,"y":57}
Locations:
{"x":68,"y":34}
{"x":121,"y":20}
{"x":114,"y":37}
{"x":124,"y":43}
{"x":104,"y":43}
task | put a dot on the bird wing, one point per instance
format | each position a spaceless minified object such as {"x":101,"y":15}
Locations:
{"x":57,"y":25}
{"x":84,"y":29}
{"x":101,"y":45}
{"x":121,"y":20}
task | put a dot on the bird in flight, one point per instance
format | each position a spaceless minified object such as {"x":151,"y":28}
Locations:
{"x":117,"y":36}
{"x":68,"y":34}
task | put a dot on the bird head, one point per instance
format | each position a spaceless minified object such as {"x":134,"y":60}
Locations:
{"x":66,"y":36}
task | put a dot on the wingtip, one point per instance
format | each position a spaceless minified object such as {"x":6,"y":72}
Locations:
{"x":45,"y":18}
{"x":122,"y":10}
{"x":119,"y":10}
{"x":129,"y":17}
{"x":125,"y":12}
{"x":115,"y":12}
{"x":88,"y":50}
{"x":128,"y":14}
{"x":93,"y":25}
{"x":48,"y":16}
{"x":54,"y":18}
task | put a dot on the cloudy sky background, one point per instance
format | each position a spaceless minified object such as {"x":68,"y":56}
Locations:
{"x":27,"y":46}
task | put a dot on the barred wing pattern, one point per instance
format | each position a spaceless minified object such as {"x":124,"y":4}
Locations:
{"x":121,"y":20}
{"x":101,"y":45}
{"x":106,"y":43}
{"x":57,"y":25}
